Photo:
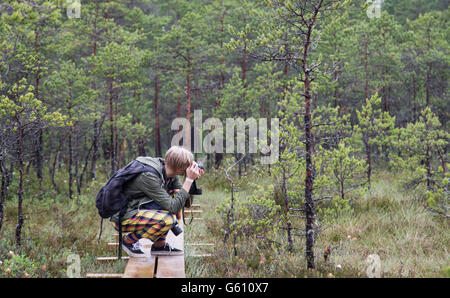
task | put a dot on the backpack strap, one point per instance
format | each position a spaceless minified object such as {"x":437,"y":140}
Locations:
{"x":121,"y":214}
{"x":101,"y":229}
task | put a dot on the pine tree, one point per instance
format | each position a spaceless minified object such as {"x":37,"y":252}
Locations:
{"x":431,"y":48}
{"x":375,"y":128}
{"x":26,"y":114}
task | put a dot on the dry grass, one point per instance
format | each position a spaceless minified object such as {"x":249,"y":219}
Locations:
{"x":388,"y":221}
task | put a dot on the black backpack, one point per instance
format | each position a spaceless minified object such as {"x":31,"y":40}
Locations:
{"x":111,"y":198}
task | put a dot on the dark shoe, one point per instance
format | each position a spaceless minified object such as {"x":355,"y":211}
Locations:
{"x":133,"y":249}
{"x":166,"y":250}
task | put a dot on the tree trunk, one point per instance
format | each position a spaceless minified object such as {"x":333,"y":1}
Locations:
{"x":95,"y":150}
{"x":369,"y":162}
{"x":70,"y":163}
{"x":429,"y":69}
{"x":112,"y":155}
{"x":428,"y":166}
{"x":4,"y":178}
{"x":10,"y":173}
{"x":188,"y":103}
{"x":218,"y":157}
{"x":427,"y":83}
{"x":415,"y":109}
{"x":55,"y":160}
{"x":222,"y":59}
{"x":38,"y":156}
{"x":118,"y":161}
{"x":366,"y":67}
{"x":309,"y":201}
{"x":76,"y":170}
{"x":20,"y":188}
{"x":157,"y":132}
{"x":285,"y":73}
{"x":244,"y":94}
{"x":286,"y":205}
{"x":93,"y":174}
{"x":38,"y":149}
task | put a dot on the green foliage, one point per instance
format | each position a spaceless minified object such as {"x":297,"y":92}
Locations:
{"x":19,"y":266}
{"x":21,"y":107}
{"x":419,"y":141}
{"x":422,"y":145}
{"x":342,"y":171}
{"x":258,"y":214}
{"x":429,"y":46}
{"x":446,"y":272}
{"x":411,"y":9}
{"x":375,"y":129}
{"x":76,"y":92}
{"x":374,"y":125}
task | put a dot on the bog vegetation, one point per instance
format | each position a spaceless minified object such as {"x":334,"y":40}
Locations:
{"x":362,"y":102}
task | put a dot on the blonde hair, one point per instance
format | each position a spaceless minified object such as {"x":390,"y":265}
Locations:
{"x":178,"y":158}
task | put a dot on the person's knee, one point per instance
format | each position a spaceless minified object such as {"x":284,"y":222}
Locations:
{"x":170,"y":220}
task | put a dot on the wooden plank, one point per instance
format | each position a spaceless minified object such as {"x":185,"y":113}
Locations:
{"x":193,"y":206}
{"x":193,"y":211}
{"x":103,"y":275}
{"x":140,"y":267}
{"x":200,"y":255}
{"x":172,"y":266}
{"x":142,"y":245}
{"x":188,"y":219}
{"x":111,"y":258}
{"x":200,"y":244}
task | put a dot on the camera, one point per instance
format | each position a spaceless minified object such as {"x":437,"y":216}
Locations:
{"x":176,"y":230}
{"x":194,"y":190}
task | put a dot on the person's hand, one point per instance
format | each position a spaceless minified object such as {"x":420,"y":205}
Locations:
{"x":172,"y":191}
{"x":194,"y":172}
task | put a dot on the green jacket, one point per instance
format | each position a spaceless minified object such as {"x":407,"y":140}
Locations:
{"x":153,"y":188}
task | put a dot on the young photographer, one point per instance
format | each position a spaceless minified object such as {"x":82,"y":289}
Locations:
{"x":152,"y":211}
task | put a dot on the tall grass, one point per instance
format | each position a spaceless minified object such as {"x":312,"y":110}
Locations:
{"x":389,"y":221}
{"x":54,"y":229}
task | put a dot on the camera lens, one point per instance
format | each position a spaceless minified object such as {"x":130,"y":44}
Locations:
{"x":176,"y":230}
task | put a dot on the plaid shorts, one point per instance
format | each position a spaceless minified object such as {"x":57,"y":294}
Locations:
{"x":150,"y":224}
